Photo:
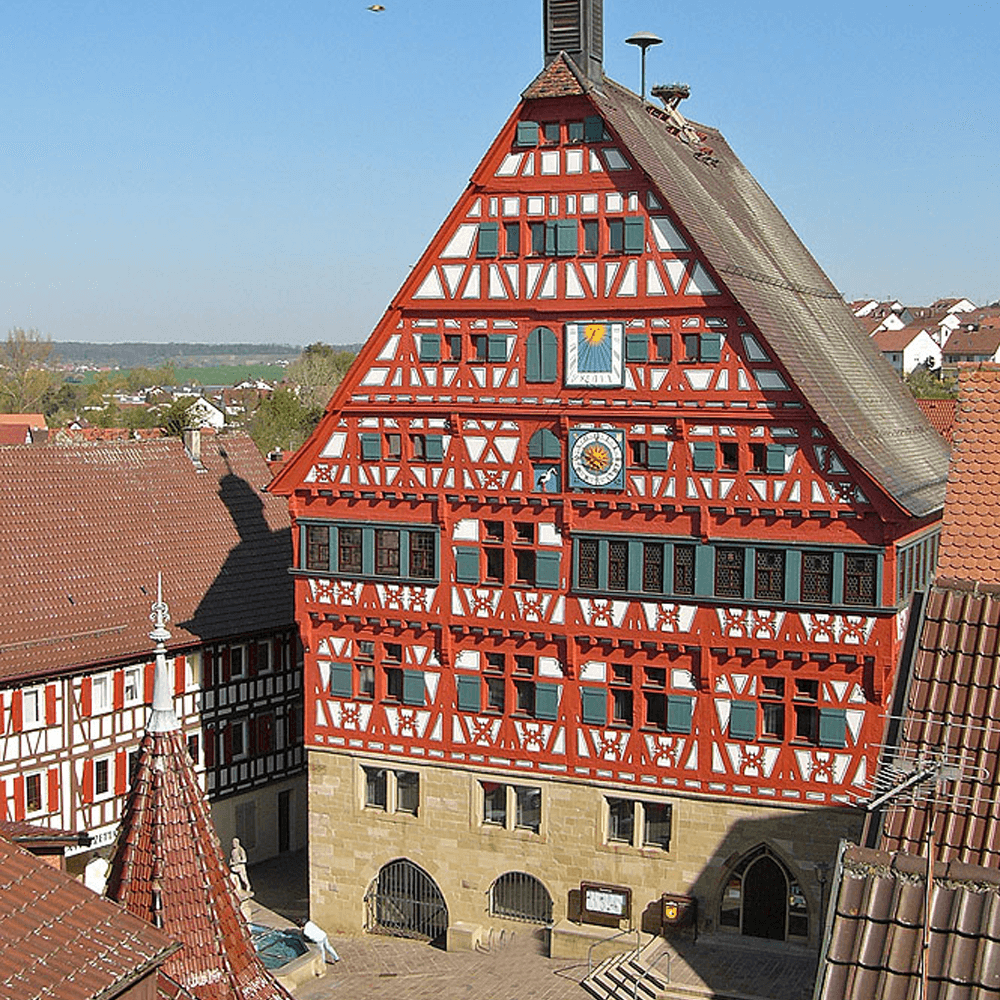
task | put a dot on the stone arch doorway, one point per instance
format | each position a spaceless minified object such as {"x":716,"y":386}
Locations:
{"x":404,"y":901}
{"x":761,"y":898}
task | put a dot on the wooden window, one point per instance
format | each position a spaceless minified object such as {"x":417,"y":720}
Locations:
{"x":494,"y":530}
{"x":393,"y":684}
{"x":544,"y":445}
{"x":636,"y":347}
{"x":386,"y":552}
{"x":524,"y":566}
{"x":467,"y":690}
{"x":591,"y":236}
{"x":730,"y":456}
{"x":527,"y":134}
{"x":407,"y":797}
{"x":527,"y":808}
{"x":551,"y":132}
{"x":832,"y":727}
{"x":729,"y":571}
{"x":423,"y":550}
{"x":635,"y":234}
{"x":496,"y":348}
{"x":430,"y":347}
{"x":817,"y":578}
{"x":652,"y":567}
{"x":524,"y":531}
{"x":489,"y":239}
{"x":772,"y":687}
{"x":806,"y":723}
{"x":769,"y":575}
{"x":692,"y":345}
{"x":617,"y":565}
{"x":586,"y":570}
{"x":710,"y":347}
{"x":494,"y":803}
{"x":593,"y":128}
{"x":512,"y":238}
{"x":496,"y":694}
{"x":317,"y":547}
{"x":594,"y":706}
{"x":371,"y":447}
{"x":664,"y":346}
{"x":621,"y":821}
{"x":574,"y":131}
{"x":480,"y":346}
{"x":657,"y":818}
{"x":454,"y":342}
{"x":859,"y":579}
{"x":349,"y":550}
{"x":703,"y":455}
{"x":638,"y":452}
{"x":683,"y":569}
{"x":33,"y":800}
{"x":466,"y":564}
{"x":561,"y":237}
{"x":537,"y":231}
{"x":494,"y":565}
{"x":680,"y":711}
{"x":541,"y":356}
{"x":743,"y":720}
{"x":616,"y":235}
{"x":773,"y":719}
{"x":102,"y":776}
{"x":394,"y":446}
{"x":366,"y":680}
{"x":376,"y":788}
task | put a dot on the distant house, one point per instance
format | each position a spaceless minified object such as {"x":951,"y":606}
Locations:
{"x":204,"y":413}
{"x":22,"y":428}
{"x":908,"y":347}
{"x":970,"y":344}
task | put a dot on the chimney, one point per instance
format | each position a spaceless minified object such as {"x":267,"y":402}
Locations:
{"x":575,"y":27}
{"x":192,"y":445}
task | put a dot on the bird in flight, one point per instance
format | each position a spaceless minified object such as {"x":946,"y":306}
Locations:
{"x":377,"y":8}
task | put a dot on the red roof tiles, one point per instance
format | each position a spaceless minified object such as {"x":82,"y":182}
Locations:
{"x":59,"y":939}
{"x":940,"y":414}
{"x":970,"y":535}
{"x":86,"y":528}
{"x":169,"y":869}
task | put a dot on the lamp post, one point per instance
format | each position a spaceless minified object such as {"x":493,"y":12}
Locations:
{"x":644,"y":39}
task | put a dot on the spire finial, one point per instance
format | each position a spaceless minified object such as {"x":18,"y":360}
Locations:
{"x":159,"y":615}
{"x":161,"y":718}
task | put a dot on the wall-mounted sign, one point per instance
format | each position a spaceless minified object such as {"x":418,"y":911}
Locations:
{"x":604,"y":904}
{"x":595,"y":354}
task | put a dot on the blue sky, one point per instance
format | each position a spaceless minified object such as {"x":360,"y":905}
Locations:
{"x":262,"y":171}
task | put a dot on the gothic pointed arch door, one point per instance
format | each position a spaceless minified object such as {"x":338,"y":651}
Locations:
{"x":404,"y":901}
{"x":761,"y":898}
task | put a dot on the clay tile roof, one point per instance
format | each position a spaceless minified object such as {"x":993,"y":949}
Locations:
{"x":32,"y":420}
{"x":86,"y":528}
{"x":875,"y":943}
{"x":60,"y":939}
{"x":169,"y":869}
{"x":23,"y":832}
{"x":896,"y":340}
{"x":941,"y":414}
{"x":970,"y":535}
{"x":560,"y":78}
{"x":749,"y":245}
{"x":983,"y":341}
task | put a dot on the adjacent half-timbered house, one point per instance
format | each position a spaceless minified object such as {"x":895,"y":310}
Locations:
{"x":604,"y":547}
{"x":86,"y":530}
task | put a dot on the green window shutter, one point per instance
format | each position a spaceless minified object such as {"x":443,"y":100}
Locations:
{"x":832,"y":727}
{"x":567,"y":232}
{"x":635,"y":234}
{"x":489,"y":239}
{"x":743,"y":720}
{"x":527,"y":134}
{"x":636,"y":347}
{"x":550,"y":238}
{"x":340,"y":680}
{"x":540,"y":355}
{"x":546,"y":700}
{"x":433,"y":447}
{"x":776,"y":458}
{"x":413,"y":687}
{"x":468,"y":693}
{"x":544,"y":444}
{"x":466,"y":564}
{"x":703,"y":456}
{"x":547,"y":568}
{"x":711,"y":347}
{"x":430,"y":347}
{"x":594,"y":706}
{"x":497,"y":347}
{"x":593,"y":128}
{"x":657,"y":454}
{"x":680,"y":708}
{"x":371,"y":447}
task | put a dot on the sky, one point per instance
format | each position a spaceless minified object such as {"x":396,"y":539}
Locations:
{"x":248,"y":171}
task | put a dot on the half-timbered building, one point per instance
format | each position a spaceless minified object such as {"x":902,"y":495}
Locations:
{"x":86,"y":529}
{"x":604,"y":547}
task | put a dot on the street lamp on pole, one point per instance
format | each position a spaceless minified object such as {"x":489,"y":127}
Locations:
{"x":644,"y":39}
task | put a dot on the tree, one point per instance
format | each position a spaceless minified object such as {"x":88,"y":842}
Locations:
{"x":176,"y":419}
{"x":926,"y":383}
{"x":317,"y":371}
{"x":281,"y":421}
{"x":24,"y":377}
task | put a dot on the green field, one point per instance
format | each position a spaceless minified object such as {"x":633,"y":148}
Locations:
{"x":215,"y":374}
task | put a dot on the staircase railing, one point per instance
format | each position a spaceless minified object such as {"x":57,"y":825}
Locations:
{"x":597,"y":944}
{"x":648,"y":970}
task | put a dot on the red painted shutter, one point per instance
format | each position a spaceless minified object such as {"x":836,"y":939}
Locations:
{"x":227,"y":744}
{"x":253,"y":658}
{"x":50,"y":704}
{"x":53,"y":804}
{"x":16,"y":715}
{"x":3,"y":800}
{"x":225,"y":665}
{"x":88,"y":781}
{"x":150,"y":677}
{"x":121,"y":772}
{"x":85,"y":702}
{"x":276,"y":654}
{"x":179,"y":667}
{"x":19,"y":797}
{"x":208,"y":668}
{"x":254,"y":726}
{"x":119,"y":685}
{"x":210,"y":746}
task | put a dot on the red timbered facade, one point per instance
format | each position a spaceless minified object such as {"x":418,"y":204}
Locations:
{"x":617,"y":501}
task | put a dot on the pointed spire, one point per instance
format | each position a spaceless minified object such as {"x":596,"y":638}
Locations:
{"x":161,"y":718}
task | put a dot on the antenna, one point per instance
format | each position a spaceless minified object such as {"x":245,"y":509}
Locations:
{"x":644,"y":39}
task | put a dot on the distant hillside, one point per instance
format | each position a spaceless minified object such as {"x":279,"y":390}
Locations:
{"x":136,"y":355}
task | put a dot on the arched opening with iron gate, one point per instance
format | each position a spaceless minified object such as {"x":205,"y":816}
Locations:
{"x":761,"y":898}
{"x":404,"y":901}
{"x":520,"y":896}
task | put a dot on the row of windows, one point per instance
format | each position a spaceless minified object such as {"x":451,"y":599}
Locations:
{"x":727,"y":571}
{"x":530,"y":133}
{"x":562,"y":237}
{"x":399,"y":552}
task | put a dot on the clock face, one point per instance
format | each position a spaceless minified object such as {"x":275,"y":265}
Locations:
{"x":594,"y":354}
{"x":597,"y":459}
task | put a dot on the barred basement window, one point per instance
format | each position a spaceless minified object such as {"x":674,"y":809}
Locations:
{"x":387,"y":552}
{"x":652,"y":567}
{"x":683,"y":569}
{"x":618,"y":566}
{"x":587,"y":564}
{"x":520,"y":896}
{"x":422,"y":549}
{"x":317,"y":546}
{"x":728,"y":572}
{"x":817,"y":578}
{"x":769,"y":575}
{"x":859,"y":579}
{"x":349,"y":550}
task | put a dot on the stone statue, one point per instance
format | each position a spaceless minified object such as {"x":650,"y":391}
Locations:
{"x":238,"y":866}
